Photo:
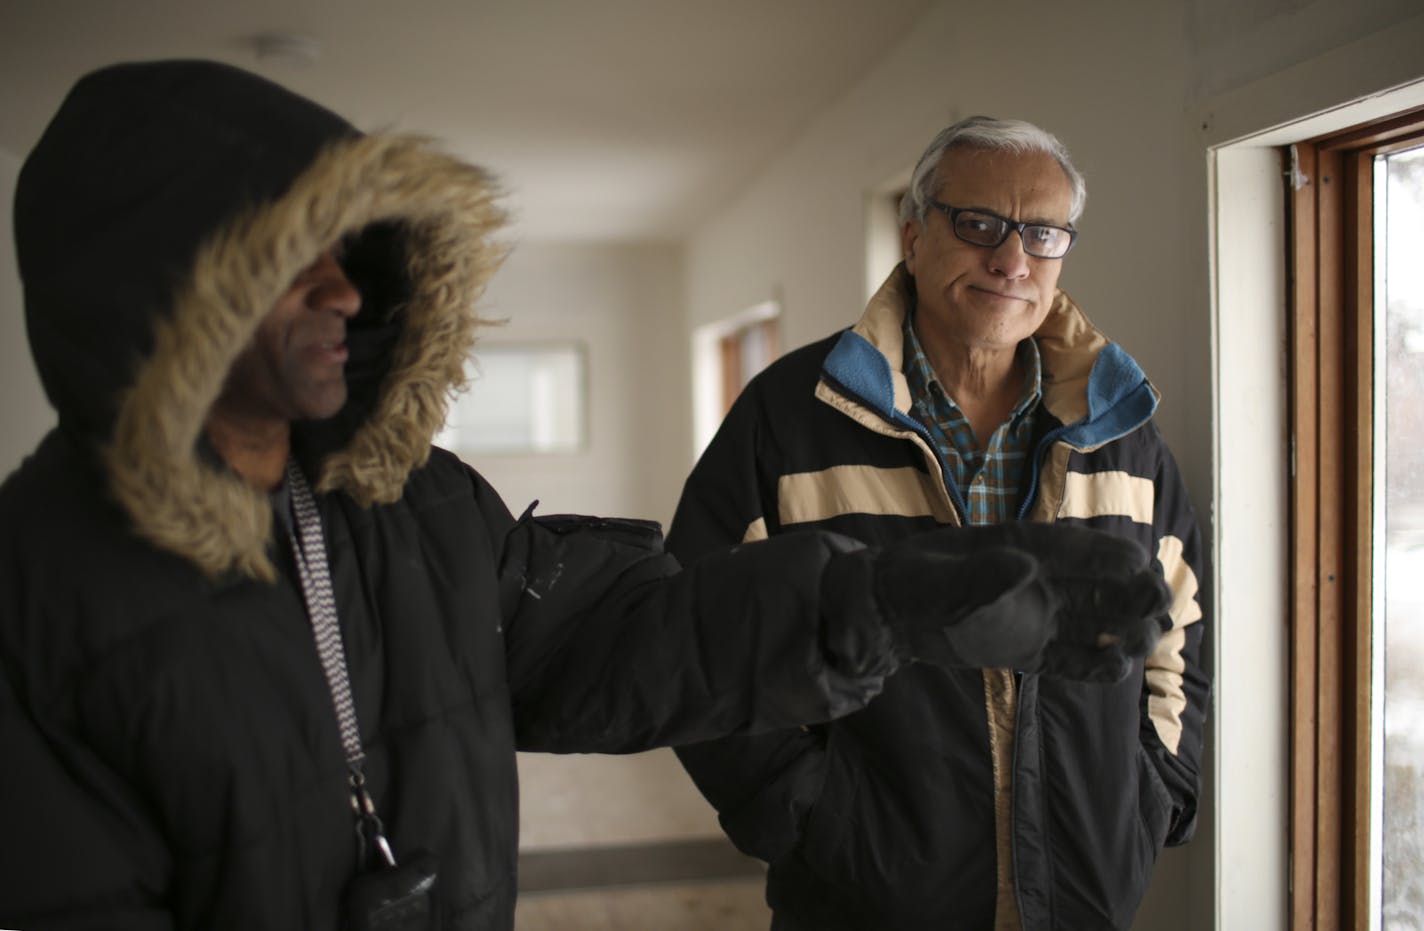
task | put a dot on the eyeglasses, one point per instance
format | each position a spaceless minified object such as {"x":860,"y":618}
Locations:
{"x":982,"y":228}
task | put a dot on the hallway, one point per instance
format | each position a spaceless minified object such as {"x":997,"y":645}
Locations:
{"x":688,"y":885}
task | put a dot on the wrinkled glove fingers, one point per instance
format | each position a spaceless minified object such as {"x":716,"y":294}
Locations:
{"x":1132,"y":635}
{"x":990,"y":609}
{"x":1113,"y":601}
{"x":1097,"y":555}
{"x":1068,"y":549}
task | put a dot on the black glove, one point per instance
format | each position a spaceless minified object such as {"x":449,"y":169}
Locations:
{"x":1051,"y":598}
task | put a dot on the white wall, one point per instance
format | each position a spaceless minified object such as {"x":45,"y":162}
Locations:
{"x":25,"y":414}
{"x":1236,"y":43}
{"x":624,"y":303}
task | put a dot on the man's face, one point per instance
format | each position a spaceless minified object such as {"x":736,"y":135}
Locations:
{"x":979,"y":298}
{"x":295,"y":366}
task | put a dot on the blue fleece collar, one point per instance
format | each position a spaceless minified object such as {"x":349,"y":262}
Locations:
{"x":1120,"y":399}
{"x":863,"y":371}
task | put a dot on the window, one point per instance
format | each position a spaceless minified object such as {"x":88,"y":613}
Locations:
{"x":523,"y":398}
{"x":1357,"y":508}
{"x":1399,"y":616}
{"x":725,"y":356}
{"x":744,"y":352}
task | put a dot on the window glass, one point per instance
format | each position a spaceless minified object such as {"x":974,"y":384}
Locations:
{"x":524,"y":398}
{"x":1399,"y":210}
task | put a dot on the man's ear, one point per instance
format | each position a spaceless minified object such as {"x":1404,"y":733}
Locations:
{"x":909,"y":236}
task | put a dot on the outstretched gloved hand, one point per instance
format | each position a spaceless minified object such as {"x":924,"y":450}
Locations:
{"x":1051,"y":598}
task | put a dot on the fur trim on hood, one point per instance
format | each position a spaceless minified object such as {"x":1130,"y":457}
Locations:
{"x":445,"y":208}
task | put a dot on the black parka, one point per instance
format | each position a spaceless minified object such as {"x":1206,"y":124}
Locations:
{"x":170,"y":753}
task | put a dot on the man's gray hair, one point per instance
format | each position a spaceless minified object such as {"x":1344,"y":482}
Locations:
{"x":984,"y":132}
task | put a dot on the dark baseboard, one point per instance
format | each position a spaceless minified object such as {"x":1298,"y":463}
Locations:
{"x":633,"y":864}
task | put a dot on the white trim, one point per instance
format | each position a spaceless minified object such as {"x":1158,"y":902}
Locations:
{"x":1251,"y":763}
{"x":883,"y":250}
{"x":1377,"y":588}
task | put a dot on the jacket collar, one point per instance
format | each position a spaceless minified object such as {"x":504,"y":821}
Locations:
{"x":1090,"y":384}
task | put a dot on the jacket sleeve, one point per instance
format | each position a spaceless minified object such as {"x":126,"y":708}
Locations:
{"x":77,"y":852}
{"x":611,"y":649}
{"x":1178,"y":684}
{"x":762,"y":786}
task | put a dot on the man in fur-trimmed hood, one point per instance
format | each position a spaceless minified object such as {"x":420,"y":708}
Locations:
{"x":265,"y":653}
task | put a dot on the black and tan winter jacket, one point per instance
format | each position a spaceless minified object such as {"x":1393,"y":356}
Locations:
{"x":169,"y":753}
{"x":887,"y":819}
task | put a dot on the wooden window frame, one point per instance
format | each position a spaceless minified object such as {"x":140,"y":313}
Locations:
{"x":1331,"y":372}
{"x":730,"y":349}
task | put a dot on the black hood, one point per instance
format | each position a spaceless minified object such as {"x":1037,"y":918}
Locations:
{"x":141,"y":164}
{"x":164,"y":210}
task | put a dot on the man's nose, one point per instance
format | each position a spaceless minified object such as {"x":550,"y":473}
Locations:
{"x":332,"y":290}
{"x":1009,"y":258}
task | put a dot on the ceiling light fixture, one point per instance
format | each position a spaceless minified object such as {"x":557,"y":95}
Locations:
{"x":289,"y":48}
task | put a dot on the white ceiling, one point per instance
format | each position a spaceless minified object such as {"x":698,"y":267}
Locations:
{"x":605,"y":119}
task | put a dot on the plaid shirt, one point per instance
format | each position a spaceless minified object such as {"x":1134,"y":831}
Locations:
{"x":988,"y":484}
{"x":988,"y":481}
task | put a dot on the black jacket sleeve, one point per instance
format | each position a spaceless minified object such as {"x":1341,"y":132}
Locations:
{"x":77,"y":854}
{"x":612,"y":649}
{"x":762,"y":786}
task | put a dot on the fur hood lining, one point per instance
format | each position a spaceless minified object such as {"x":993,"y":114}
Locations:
{"x":211,"y":517}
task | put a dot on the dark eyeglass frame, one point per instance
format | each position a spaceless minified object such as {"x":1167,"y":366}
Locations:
{"x":1009,"y":226}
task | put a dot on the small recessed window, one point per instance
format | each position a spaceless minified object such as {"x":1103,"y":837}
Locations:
{"x":725,"y":356}
{"x":523,"y":398}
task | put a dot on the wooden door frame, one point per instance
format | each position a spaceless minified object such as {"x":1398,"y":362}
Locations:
{"x":1331,"y":373}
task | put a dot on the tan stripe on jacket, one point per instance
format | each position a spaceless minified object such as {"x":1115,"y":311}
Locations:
{"x":1103,"y":494}
{"x":1165,"y":665}
{"x":1119,"y":494}
{"x":806,"y":497}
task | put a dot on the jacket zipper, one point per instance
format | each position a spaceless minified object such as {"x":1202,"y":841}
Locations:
{"x":951,"y":490}
{"x":1014,"y":798}
{"x":1035,"y":467}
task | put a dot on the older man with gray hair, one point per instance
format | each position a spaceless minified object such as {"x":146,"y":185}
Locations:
{"x":973,"y":391}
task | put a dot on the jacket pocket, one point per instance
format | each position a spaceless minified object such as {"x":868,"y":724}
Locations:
{"x":824,"y":845}
{"x":1154,"y":804}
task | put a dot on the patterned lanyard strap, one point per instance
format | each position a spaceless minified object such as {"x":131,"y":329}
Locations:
{"x":309,"y":548}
